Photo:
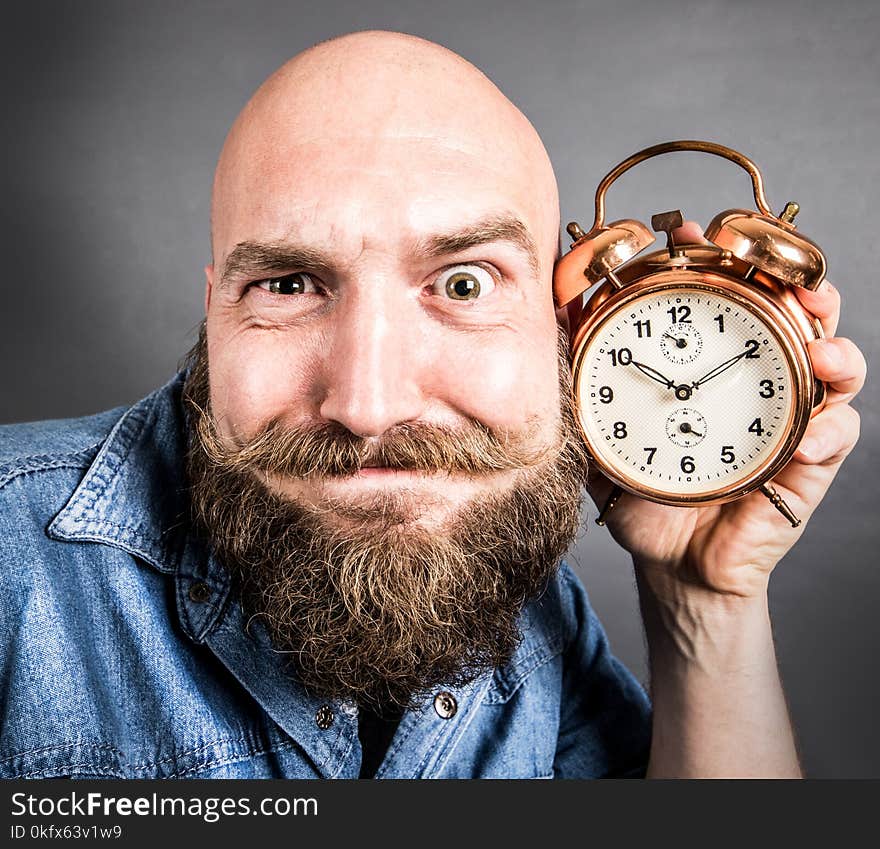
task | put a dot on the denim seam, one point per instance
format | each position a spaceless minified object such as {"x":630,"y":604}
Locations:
{"x":48,"y":464}
{"x":449,"y":744}
{"x":116,"y":751}
{"x":93,"y":770}
{"x":335,"y":748}
{"x":212,"y":613}
{"x":123,"y":435}
{"x":219,"y":742}
{"x":501,"y":702}
{"x":324,"y":751}
{"x":343,"y":757}
{"x":429,"y":752}
{"x":230,"y":758}
{"x":133,"y":535}
{"x":142,"y":766}
{"x":396,"y":745}
{"x":35,"y":461}
{"x":218,"y":612}
{"x":38,"y":751}
{"x":514,"y":684}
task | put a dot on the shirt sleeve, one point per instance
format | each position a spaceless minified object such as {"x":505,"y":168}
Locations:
{"x":605,"y":714}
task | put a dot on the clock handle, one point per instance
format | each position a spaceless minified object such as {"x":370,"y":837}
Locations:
{"x":777,"y":501}
{"x":686,"y":145}
{"x":610,"y":504}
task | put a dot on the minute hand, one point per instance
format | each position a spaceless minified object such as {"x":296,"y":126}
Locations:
{"x":654,"y":374}
{"x":718,"y":369}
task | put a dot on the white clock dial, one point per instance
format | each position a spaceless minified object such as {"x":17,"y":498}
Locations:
{"x":685,"y":418}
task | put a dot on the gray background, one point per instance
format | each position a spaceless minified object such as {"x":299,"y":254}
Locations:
{"x":115,"y":113}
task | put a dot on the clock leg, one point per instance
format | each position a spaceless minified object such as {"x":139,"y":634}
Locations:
{"x":610,"y":504}
{"x":779,"y":504}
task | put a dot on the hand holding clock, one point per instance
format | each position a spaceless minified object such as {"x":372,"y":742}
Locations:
{"x":730,"y":549}
{"x":702,"y":572}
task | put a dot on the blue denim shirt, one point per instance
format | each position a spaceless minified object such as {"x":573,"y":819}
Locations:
{"x":124,"y":655}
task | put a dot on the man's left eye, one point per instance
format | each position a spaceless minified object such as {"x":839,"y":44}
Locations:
{"x":298,"y":283}
{"x":464,"y":282}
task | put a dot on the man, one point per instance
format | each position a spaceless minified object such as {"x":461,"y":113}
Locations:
{"x":330,"y":547}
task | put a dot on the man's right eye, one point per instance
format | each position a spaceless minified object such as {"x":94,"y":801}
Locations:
{"x":298,"y":283}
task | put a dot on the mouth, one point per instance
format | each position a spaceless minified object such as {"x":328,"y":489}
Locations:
{"x":374,"y":468}
{"x":418,"y":497}
{"x":383,"y":471}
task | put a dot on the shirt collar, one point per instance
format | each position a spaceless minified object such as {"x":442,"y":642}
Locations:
{"x":133,"y":495}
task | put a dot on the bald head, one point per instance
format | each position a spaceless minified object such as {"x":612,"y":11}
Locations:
{"x":359,"y":105}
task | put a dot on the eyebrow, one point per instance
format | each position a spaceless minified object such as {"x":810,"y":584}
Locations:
{"x":256,"y":258}
{"x":498,"y":228}
{"x":253,"y":258}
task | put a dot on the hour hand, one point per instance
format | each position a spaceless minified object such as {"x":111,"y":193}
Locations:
{"x":654,"y":374}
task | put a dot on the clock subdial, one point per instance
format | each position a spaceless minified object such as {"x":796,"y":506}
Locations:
{"x":681,"y":343}
{"x":685,"y":427}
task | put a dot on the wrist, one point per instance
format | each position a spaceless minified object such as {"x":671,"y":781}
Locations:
{"x":688,"y":624}
{"x":722,"y":586}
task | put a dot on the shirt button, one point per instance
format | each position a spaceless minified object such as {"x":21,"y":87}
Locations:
{"x":199,"y":592}
{"x":324,"y":717}
{"x":445,"y":705}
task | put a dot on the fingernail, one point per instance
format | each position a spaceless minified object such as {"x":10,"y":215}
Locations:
{"x":826,"y":288}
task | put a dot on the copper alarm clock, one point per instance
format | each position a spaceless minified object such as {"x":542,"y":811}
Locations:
{"x":691,"y":375}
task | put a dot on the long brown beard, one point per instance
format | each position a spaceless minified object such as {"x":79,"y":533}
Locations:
{"x":375,"y":608}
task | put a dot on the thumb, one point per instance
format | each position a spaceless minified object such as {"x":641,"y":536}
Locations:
{"x":690,"y":233}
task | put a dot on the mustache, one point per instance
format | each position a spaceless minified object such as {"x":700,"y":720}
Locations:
{"x":329,"y":449}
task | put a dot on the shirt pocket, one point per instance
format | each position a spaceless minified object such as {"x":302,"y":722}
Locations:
{"x":516,"y":732}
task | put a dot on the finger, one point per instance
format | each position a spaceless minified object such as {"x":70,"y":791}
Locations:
{"x":824,"y":303}
{"x":830,"y":436}
{"x":690,"y":233}
{"x":598,"y":486}
{"x":840,"y":364}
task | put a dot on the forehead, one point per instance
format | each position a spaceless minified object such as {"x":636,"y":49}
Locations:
{"x":368,"y":191}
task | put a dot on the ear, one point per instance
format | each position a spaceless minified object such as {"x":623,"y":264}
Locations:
{"x":209,"y":277}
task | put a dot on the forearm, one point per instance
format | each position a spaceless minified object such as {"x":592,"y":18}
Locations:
{"x":719,"y":708}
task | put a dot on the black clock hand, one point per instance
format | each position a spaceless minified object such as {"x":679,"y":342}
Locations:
{"x":654,"y":374}
{"x":679,"y":343}
{"x":723,"y":367}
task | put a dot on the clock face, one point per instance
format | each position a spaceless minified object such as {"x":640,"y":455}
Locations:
{"x":685,"y":391}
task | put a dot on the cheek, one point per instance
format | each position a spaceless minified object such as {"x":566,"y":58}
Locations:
{"x":506,"y":381}
{"x":256,"y":377}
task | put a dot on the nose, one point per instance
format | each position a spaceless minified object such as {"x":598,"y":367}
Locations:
{"x":371,"y":369}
